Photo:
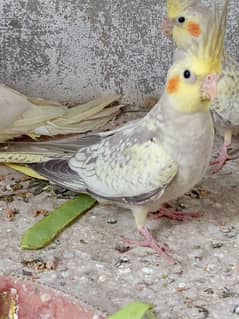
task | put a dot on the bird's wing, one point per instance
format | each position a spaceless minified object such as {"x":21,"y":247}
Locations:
{"x":127,"y":166}
{"x":226,"y":106}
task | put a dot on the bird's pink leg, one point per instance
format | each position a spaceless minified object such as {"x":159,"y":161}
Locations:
{"x":169,"y":213}
{"x":150,"y":242}
{"x":224,"y":156}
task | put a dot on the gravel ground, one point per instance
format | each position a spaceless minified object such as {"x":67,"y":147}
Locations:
{"x":85,"y":261}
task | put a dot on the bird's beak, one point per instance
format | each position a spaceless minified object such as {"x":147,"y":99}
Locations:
{"x":167,"y":26}
{"x":209,"y":90}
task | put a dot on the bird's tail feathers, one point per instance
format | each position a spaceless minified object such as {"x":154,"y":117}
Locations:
{"x":59,"y":172}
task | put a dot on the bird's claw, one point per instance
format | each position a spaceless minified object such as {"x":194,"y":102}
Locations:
{"x":223,"y":158}
{"x":150,"y":242}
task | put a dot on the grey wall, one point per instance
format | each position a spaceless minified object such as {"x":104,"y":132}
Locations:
{"x":73,"y":50}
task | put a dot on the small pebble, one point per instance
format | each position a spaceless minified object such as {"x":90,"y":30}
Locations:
{"x":125,"y":271}
{"x":219,"y":255}
{"x":209,"y":291}
{"x":121,"y":261}
{"x":52,"y":263}
{"x":216,"y":245}
{"x":112,"y":221}
{"x":194,"y":194}
{"x":121,"y":248}
{"x":65,"y":274}
{"x":180,"y":206}
{"x":230,"y":232}
{"x":226,"y":293}
{"x":181,"y":285}
{"x":236,"y":310}
{"x":204,"y":311}
{"x":99,"y":266}
{"x":210,"y":267}
{"x":26,"y":273}
{"x":102,"y":278}
{"x":45,"y":297}
{"x":11,"y":214}
{"x":231,"y":235}
{"x":147,"y":271}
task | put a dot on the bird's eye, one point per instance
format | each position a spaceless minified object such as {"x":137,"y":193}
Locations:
{"x":187,"y":74}
{"x":181,"y":19}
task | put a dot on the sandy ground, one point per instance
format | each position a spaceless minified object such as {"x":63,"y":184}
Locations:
{"x":90,"y":266}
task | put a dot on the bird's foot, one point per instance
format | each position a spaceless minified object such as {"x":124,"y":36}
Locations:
{"x":223,"y":158}
{"x":150,"y":242}
{"x":165,"y":212}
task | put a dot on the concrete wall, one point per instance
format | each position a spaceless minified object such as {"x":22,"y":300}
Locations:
{"x":73,"y":50}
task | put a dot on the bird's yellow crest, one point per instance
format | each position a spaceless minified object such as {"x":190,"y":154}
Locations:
{"x":207,"y":52}
{"x":176,"y":7}
{"x":202,"y":58}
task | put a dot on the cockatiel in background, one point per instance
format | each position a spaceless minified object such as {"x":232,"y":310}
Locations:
{"x":186,"y":21}
{"x":155,"y":159}
{"x":22,"y":115}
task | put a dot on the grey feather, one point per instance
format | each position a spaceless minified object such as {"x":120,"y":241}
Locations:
{"x":59,"y":172}
{"x":226,"y":106}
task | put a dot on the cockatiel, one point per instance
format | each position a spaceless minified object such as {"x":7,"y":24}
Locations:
{"x":154,"y":160}
{"x":22,"y":115}
{"x":186,"y":21}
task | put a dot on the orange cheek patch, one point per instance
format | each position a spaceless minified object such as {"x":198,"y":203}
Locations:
{"x":173,"y":85}
{"x":194,"y":29}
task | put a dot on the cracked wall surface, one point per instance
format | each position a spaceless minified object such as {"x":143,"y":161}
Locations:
{"x":74,"y":50}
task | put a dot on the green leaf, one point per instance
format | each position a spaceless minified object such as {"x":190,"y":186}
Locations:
{"x":136,"y":310}
{"x":26,"y":171}
{"x":42,"y":233}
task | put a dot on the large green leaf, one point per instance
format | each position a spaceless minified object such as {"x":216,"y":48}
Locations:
{"x":136,"y":310}
{"x":42,"y":233}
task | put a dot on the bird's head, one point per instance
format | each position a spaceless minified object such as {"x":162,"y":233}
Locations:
{"x":186,"y":20}
{"x":192,"y":79}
